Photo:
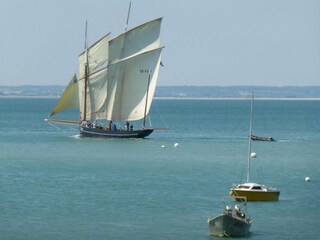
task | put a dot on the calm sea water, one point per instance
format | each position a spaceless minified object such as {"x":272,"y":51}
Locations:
{"x":55,"y":185}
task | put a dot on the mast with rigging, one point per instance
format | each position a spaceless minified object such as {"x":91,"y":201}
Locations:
{"x":250,"y":133}
{"x":85,"y":74}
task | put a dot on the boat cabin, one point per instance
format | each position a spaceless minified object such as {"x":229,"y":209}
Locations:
{"x":251,"y":186}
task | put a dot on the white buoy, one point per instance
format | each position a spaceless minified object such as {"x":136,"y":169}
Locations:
{"x":176,"y":145}
{"x":253,"y":155}
{"x":307,"y":179}
{"x":162,"y":146}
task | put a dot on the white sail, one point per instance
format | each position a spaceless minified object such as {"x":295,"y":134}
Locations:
{"x":97,"y":56}
{"x":137,"y":40}
{"x":129,"y":85}
{"x":69,"y":98}
{"x":96,"y":95}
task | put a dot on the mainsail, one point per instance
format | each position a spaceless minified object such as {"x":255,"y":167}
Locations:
{"x":117,"y":77}
{"x":127,"y":95}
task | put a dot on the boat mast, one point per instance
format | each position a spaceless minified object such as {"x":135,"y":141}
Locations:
{"x":85,"y":75}
{"x":250,"y":133}
{"x":146,"y":105}
{"x":125,"y":28}
{"x":127,"y":22}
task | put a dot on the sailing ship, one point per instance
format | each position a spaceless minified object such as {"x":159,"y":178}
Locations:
{"x":116,"y":83}
{"x":253,"y":191}
{"x":231,"y":223}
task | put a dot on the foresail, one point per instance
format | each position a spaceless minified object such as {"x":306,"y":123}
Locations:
{"x":97,"y":56}
{"x":137,"y":40}
{"x":128,"y":86}
{"x":69,"y":98}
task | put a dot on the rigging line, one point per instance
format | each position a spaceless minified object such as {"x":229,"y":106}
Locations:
{"x":149,"y":120}
{"x":260,"y":173}
{"x":56,"y":126}
{"x":241,"y":168}
{"x":158,"y":112}
{"x":53,"y":125}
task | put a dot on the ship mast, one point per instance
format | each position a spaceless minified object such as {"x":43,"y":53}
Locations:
{"x":125,"y":28}
{"x":250,"y":134}
{"x":146,"y":105}
{"x":85,"y":75}
{"x":127,"y":22}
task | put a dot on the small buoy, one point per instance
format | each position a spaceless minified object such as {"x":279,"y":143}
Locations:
{"x":162,"y":146}
{"x":176,"y":145}
{"x":253,"y":155}
{"x":307,"y":179}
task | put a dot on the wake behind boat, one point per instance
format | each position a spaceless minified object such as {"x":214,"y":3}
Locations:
{"x":116,"y":82}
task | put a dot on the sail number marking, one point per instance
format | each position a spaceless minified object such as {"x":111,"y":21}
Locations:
{"x":145,"y":71}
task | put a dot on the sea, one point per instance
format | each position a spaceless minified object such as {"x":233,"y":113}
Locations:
{"x":56,"y":185}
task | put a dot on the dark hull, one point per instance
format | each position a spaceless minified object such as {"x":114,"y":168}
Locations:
{"x":104,"y":133}
{"x":268,"y":139}
{"x":227,"y":226}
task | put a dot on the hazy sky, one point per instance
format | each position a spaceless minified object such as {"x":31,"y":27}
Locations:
{"x":207,"y":42}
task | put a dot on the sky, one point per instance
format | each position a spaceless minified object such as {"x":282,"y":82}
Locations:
{"x":207,"y":42}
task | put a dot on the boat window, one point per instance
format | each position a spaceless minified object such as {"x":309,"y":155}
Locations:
{"x":256,"y":187}
{"x":243,"y":186}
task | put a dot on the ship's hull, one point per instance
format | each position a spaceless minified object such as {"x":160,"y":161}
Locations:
{"x":252,"y":195}
{"x":268,"y":139}
{"x":227,"y":226}
{"x":105,"y":133}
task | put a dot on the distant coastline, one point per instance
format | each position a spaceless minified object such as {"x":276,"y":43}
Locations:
{"x":186,"y":92}
{"x":185,"y":98}
{"x":240,"y":99}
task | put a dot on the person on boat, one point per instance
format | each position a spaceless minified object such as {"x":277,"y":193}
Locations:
{"x":94,"y":124}
{"x":127,"y":125}
{"x":131,"y":127}
{"x":237,"y":212}
{"x":83,"y":123}
{"x":114,"y":127}
{"x":228,"y":210}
